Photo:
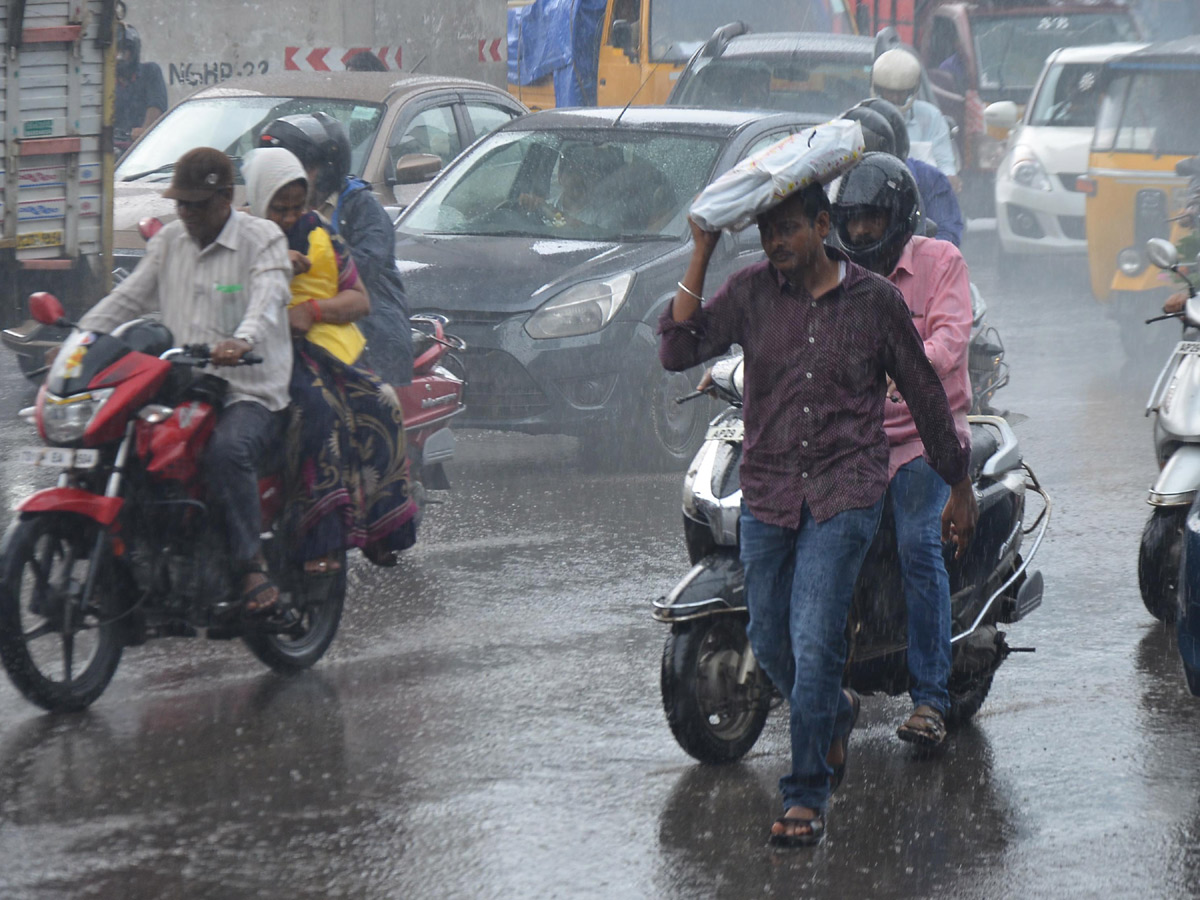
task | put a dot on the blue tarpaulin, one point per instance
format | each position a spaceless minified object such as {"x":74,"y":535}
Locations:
{"x":559,"y":38}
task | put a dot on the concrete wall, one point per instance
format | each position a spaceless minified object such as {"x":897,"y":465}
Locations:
{"x":213,"y":40}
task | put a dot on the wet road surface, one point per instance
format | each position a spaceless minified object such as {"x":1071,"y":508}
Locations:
{"x":488,"y":722}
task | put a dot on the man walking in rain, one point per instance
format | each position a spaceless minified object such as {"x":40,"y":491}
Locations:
{"x":820,"y":335}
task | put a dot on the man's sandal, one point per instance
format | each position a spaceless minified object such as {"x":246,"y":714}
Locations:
{"x":924,"y":727}
{"x":258,"y":600}
{"x":839,"y":771}
{"x":814,"y":834}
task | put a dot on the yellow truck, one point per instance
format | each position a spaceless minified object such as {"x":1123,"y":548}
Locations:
{"x":614,"y":52}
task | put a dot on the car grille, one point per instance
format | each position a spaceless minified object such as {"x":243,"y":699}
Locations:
{"x":499,"y":388}
{"x":1068,"y":180}
{"x":1072,"y":227}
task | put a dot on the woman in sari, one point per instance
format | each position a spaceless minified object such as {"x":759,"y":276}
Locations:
{"x":346,"y":461}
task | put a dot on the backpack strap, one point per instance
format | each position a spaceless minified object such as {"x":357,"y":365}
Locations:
{"x":353,"y":185}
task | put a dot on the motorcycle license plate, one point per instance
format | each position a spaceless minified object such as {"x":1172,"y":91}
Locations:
{"x":725,"y":431}
{"x":58,"y":457}
{"x":1188,"y":348}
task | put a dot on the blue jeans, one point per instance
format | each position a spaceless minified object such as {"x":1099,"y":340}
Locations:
{"x":799,"y":584}
{"x":918,"y":496}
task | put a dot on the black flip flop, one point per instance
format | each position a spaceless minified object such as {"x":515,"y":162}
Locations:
{"x":839,"y":771}
{"x":810,"y":838}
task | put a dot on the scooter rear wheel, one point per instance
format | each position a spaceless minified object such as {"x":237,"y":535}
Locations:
{"x":713,"y":718}
{"x":59,"y":653}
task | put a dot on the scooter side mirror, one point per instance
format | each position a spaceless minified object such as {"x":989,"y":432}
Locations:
{"x":1162,"y":253}
{"x":46,"y":308}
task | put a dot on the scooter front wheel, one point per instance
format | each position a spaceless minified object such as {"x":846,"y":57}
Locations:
{"x":60,"y":651}
{"x":713,"y":717}
{"x":1159,"y":559}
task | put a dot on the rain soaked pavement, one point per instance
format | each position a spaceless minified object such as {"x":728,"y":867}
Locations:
{"x":488,"y":723}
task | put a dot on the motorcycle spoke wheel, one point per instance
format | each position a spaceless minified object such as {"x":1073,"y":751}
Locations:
{"x":714,"y":719}
{"x":59,"y":653}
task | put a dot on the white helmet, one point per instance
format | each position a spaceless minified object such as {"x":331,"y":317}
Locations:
{"x":898,"y":72}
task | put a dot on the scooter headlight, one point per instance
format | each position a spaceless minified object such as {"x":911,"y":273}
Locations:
{"x":582,"y":309}
{"x":65,"y":419}
{"x":1131,"y":262}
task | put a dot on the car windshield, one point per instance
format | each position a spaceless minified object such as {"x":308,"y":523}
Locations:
{"x":1013,"y":49}
{"x":1141,"y":112}
{"x":679,"y":27}
{"x":797,"y":83}
{"x":1067,"y":97}
{"x":232,"y":123}
{"x":604,"y":184}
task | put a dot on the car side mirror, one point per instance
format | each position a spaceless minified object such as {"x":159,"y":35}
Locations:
{"x":623,"y":37}
{"x":46,"y":308}
{"x":1001,"y":115}
{"x":413,"y":168}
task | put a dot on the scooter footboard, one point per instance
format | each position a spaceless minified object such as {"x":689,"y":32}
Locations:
{"x":714,"y":585}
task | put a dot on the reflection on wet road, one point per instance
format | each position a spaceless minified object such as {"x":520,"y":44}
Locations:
{"x":488,"y":722}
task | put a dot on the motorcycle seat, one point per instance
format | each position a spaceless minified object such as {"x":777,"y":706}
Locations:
{"x":983,"y":445}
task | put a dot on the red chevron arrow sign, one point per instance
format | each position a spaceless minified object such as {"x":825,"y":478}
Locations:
{"x":490,"y":49}
{"x":333,"y":59}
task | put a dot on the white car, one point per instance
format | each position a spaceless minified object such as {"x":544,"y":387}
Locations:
{"x":1038,"y":208}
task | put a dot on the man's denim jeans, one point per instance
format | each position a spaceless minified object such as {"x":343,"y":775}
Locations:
{"x":799,"y":584}
{"x":918,"y":496}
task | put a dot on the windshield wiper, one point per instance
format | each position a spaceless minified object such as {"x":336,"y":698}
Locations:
{"x":167,"y":167}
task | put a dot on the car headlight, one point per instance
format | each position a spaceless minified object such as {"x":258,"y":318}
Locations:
{"x":65,"y":419}
{"x":1028,"y":172}
{"x":581,"y":309}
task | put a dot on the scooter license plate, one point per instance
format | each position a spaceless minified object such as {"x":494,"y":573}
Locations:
{"x":725,"y":431}
{"x":58,"y":457}
{"x":1188,"y":348}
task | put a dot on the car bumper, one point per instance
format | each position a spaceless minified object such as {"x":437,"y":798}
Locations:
{"x":551,"y":386}
{"x":1039,"y":222}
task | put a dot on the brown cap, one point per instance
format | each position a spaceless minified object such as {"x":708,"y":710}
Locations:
{"x":199,"y":174}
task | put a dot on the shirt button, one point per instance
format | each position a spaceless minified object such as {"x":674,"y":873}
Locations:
{"x":803,"y":474}
{"x":814,"y":303}
{"x":811,"y":339}
{"x":806,"y":409}
{"x":804,"y":443}
{"x":808,"y":374}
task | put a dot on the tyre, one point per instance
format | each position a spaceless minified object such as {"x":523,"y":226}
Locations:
{"x":59,"y":654}
{"x":320,"y":614}
{"x":967,"y":693}
{"x":1159,"y":559}
{"x":713,"y":718}
{"x":670,"y":433}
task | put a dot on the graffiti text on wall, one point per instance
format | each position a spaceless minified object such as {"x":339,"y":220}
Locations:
{"x":195,"y":74}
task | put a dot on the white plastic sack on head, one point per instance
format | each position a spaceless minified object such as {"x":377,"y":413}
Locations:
{"x":763,"y":180}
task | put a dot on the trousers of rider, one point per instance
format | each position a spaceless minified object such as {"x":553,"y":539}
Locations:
{"x":245,"y":432}
{"x":918,"y":496}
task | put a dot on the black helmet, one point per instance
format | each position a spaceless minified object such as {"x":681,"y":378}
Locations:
{"x":880,"y":183}
{"x":895,"y":118}
{"x":129,"y":41}
{"x":319,"y":141}
{"x":877,"y":133}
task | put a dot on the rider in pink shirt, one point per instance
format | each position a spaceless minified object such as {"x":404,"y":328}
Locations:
{"x":876,"y":213}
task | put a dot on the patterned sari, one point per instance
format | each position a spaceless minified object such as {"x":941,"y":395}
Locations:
{"x":347,"y":467}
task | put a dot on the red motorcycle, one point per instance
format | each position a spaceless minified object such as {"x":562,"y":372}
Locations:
{"x":125,"y":547}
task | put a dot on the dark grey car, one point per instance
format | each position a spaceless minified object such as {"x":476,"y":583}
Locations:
{"x":558,"y":300}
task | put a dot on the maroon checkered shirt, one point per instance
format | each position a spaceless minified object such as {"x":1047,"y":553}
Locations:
{"x":814,"y":387}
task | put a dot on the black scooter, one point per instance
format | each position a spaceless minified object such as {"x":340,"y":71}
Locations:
{"x":716,"y":697}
